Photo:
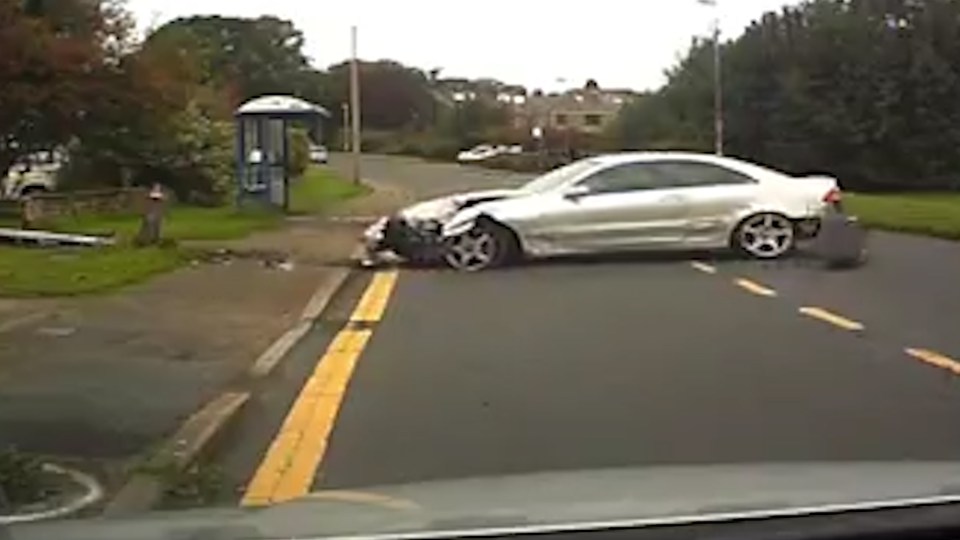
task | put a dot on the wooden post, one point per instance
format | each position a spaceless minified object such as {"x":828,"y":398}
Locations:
{"x":151,"y":225}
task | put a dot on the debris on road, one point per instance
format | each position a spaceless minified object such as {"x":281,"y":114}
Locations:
{"x":842,"y":242}
{"x":269,"y":259}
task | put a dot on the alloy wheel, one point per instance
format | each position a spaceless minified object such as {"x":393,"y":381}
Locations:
{"x":473,"y":250}
{"x":766,"y":236}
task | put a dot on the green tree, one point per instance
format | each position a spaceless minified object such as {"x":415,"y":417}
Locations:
{"x":862,"y":89}
{"x":164,"y":123}
{"x":392,"y":97}
{"x":57,"y":61}
{"x":244,"y":57}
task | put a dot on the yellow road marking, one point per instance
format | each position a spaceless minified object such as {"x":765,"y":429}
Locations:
{"x":832,"y":318}
{"x":290,"y":464}
{"x":755,"y":288}
{"x":374,"y":300}
{"x":935,"y":359}
{"x":703,"y":267}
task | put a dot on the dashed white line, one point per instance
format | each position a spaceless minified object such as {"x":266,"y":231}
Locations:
{"x":935,"y":359}
{"x":704,"y":267}
{"x":754,"y":287}
{"x":831,"y":318}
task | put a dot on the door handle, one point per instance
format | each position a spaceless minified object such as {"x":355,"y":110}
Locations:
{"x":673,"y":199}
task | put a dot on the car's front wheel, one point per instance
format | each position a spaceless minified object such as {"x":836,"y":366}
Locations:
{"x":486,"y":245}
{"x":765,"y":236}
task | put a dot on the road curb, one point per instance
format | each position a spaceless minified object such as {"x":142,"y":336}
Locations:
{"x":270,"y":359}
{"x":145,"y":488}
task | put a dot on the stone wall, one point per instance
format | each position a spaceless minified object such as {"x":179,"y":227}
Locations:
{"x":48,"y":206}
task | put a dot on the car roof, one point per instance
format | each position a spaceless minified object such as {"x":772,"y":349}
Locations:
{"x":750,"y":169}
{"x":630,"y":157}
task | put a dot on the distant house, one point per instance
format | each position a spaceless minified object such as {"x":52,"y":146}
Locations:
{"x":587,"y":110}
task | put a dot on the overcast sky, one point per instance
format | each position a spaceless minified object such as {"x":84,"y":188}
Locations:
{"x":537,"y":43}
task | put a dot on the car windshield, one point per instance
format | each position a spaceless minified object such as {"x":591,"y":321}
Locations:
{"x":559,"y":177}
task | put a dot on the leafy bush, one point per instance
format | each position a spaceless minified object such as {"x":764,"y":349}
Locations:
{"x":298,"y":152}
{"x":190,"y":154}
{"x":378,"y":142}
{"x":528,"y":162}
{"x":434,"y":147}
{"x":21,"y":478}
{"x":427,"y":145}
{"x":198,"y":485}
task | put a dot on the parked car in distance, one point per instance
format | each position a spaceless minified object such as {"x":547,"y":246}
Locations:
{"x":480,"y":153}
{"x":318,"y":153}
{"x":613,"y":203}
{"x":32,"y":174}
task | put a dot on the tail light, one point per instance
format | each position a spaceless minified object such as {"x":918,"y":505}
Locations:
{"x":833,"y":197}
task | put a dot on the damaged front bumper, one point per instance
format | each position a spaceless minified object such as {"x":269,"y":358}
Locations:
{"x":414,"y":241}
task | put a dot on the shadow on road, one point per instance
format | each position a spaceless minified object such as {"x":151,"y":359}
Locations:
{"x":803,"y":257}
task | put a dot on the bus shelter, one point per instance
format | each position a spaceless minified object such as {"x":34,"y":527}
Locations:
{"x":263,"y":124}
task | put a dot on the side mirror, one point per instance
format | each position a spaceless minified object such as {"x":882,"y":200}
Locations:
{"x":576,"y":192}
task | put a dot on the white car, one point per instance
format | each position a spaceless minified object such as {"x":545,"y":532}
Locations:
{"x":318,"y":154}
{"x":32,"y":174}
{"x":618,"y":202}
{"x":480,"y":153}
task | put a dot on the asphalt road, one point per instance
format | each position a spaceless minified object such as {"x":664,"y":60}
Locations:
{"x":428,"y":179}
{"x":627,"y":361}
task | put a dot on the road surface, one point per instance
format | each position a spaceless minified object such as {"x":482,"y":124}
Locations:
{"x":645,"y":360}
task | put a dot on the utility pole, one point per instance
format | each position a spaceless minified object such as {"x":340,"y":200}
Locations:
{"x":345,"y":131}
{"x":717,"y":87}
{"x":355,"y":104}
{"x":717,"y":78}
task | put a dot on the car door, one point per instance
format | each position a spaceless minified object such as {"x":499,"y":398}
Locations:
{"x":621,"y":207}
{"x":716,"y":197}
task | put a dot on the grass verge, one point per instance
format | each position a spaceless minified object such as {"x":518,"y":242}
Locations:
{"x":34,"y":271}
{"x":931,"y":214}
{"x":21,"y":479}
{"x":321,"y":188}
{"x":65,"y":272}
{"x":179,"y":223}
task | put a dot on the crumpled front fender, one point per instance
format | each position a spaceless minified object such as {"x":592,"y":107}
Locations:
{"x":460,"y":223}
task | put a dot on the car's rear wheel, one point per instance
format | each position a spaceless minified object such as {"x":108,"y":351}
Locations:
{"x":765,"y":236}
{"x":486,"y":245}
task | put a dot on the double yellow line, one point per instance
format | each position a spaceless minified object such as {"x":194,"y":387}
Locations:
{"x":290,"y":465}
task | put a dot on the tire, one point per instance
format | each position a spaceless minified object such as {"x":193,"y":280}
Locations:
{"x":487,"y":245}
{"x":765,"y":235}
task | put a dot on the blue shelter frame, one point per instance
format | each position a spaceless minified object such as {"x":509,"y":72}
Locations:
{"x":262,"y":148}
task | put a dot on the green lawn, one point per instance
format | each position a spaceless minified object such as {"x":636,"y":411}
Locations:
{"x":933,"y":214}
{"x":180,"y":223}
{"x":52,"y":272}
{"x":319,"y":189}
{"x":58,"y":272}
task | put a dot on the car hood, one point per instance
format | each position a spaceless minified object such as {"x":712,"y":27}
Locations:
{"x":651,"y":496}
{"x":445,"y":207}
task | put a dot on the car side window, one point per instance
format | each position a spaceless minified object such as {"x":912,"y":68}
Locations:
{"x":624,"y":178}
{"x":692,"y":174}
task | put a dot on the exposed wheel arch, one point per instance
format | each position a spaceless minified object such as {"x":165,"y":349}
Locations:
{"x":516,"y":242}
{"x":486,"y":244}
